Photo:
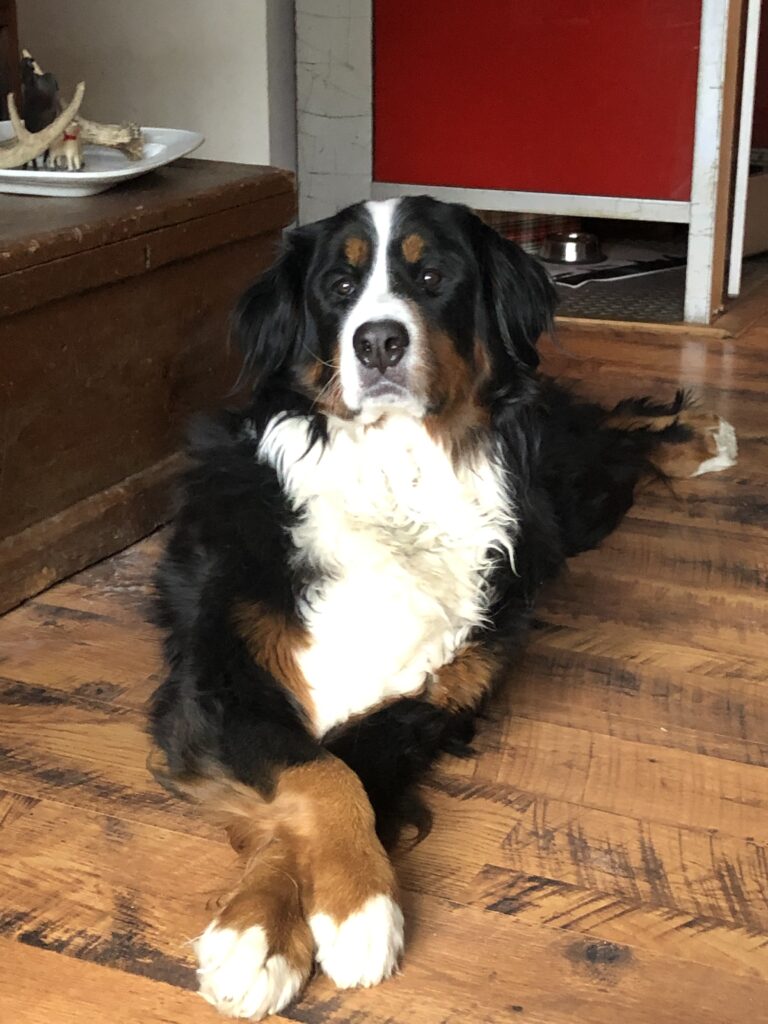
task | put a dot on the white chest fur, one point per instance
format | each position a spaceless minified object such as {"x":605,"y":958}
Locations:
{"x":402,"y":541}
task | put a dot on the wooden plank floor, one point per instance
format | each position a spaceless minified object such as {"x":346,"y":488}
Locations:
{"x":604,"y":857}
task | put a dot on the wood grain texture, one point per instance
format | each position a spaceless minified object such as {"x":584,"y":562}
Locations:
{"x":113,"y":324}
{"x":82,"y":414}
{"x":603,"y":856}
{"x":92,"y":528}
{"x":184,"y":191}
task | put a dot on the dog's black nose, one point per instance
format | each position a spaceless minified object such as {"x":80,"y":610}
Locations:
{"x":380,"y":343}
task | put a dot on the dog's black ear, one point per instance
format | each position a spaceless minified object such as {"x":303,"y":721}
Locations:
{"x":518,"y":298}
{"x":271,"y":321}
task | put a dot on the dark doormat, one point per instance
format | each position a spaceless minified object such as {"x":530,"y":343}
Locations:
{"x":652,"y":298}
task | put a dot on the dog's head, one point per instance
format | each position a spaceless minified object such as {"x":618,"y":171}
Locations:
{"x":406,"y":305}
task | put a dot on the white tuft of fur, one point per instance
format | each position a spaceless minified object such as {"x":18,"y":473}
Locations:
{"x":239,"y":978}
{"x":724,"y":437}
{"x":403,"y":542}
{"x":364,"y":948}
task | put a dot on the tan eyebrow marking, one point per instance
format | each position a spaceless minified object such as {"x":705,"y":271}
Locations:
{"x":356,"y":250}
{"x":413,"y":247}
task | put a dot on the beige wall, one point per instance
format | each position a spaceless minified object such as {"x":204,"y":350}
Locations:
{"x":222,"y":67}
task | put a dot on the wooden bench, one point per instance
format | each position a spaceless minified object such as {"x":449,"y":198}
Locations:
{"x":113,"y":331}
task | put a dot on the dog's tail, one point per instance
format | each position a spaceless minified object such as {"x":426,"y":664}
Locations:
{"x":594,"y":459}
{"x":680,"y":438}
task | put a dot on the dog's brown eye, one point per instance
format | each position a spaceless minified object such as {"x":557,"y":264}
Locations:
{"x":430,"y":278}
{"x":345,"y":286}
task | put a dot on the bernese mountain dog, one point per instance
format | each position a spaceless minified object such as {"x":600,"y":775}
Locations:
{"x":355,"y":562}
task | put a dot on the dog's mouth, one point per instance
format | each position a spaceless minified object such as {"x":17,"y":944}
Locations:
{"x":388,"y":392}
{"x":387,"y":396}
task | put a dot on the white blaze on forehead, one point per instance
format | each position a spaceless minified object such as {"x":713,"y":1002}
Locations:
{"x":376,"y":301}
{"x":383,"y":216}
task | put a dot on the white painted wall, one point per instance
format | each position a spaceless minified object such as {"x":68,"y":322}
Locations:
{"x":222,"y":67}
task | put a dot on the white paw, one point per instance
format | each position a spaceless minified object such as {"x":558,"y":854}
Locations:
{"x":238,"y":977}
{"x":726,"y":450}
{"x":364,"y":948}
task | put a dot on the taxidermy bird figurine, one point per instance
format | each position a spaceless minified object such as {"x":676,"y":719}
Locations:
{"x":39,"y":94}
{"x":49,"y":131}
{"x":41,"y":105}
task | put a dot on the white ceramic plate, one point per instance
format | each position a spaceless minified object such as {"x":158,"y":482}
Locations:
{"x":103,"y":167}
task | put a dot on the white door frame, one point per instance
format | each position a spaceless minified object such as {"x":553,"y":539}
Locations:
{"x":335,"y":107}
{"x":704,"y":279}
{"x":745,"y":146}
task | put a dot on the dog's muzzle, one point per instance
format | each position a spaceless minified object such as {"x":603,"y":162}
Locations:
{"x":380,"y":347}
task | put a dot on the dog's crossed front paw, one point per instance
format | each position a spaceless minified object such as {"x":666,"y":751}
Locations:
{"x":363,"y":948}
{"x":240,"y":977}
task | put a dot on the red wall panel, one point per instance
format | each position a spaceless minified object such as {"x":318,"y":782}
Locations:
{"x":593,"y":97}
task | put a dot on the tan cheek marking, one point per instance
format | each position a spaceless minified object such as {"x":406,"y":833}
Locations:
{"x":273,"y":642}
{"x":413,"y":248}
{"x":463,"y":682}
{"x":327,"y":396}
{"x":455,"y":389}
{"x":356,"y":250}
{"x":454,"y":375}
{"x":312,"y":375}
{"x":322,"y":383}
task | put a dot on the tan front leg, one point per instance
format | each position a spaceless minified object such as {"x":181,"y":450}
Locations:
{"x":315,"y":882}
{"x":350,"y":891}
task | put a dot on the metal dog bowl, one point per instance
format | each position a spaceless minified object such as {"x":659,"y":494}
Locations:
{"x":572,"y":247}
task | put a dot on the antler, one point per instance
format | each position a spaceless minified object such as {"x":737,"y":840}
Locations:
{"x":125,"y":137}
{"x":27,"y":145}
